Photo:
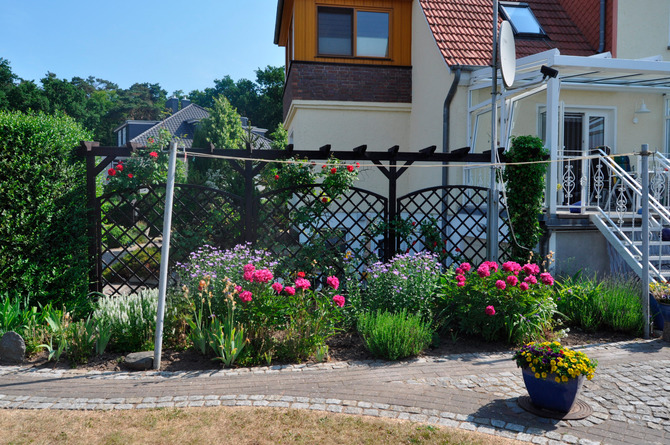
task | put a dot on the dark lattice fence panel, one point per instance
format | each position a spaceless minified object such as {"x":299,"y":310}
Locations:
{"x":449,"y":221}
{"x":302,"y":224}
{"x":132,"y":224}
{"x":504,"y":233}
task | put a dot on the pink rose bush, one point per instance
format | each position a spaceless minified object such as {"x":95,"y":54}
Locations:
{"x":510,"y":302}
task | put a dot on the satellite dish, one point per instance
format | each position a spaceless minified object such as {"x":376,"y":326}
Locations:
{"x":507,"y":53}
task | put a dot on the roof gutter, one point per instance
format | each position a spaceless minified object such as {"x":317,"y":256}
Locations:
{"x":445,"y":119}
{"x":280,"y":12}
{"x":603,"y":12}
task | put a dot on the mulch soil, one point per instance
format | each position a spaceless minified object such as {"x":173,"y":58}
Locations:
{"x":342,"y":347}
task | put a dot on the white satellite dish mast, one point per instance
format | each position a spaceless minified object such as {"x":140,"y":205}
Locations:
{"x":507,"y":53}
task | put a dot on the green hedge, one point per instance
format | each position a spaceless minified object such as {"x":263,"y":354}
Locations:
{"x":43,"y":250}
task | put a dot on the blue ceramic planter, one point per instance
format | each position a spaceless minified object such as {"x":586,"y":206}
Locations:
{"x":551,"y":395}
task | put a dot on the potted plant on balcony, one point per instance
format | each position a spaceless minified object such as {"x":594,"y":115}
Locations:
{"x":553,"y":374}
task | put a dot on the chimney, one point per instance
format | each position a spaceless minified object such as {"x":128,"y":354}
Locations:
{"x":245,"y":121}
{"x":185,"y":103}
{"x":172,"y":104}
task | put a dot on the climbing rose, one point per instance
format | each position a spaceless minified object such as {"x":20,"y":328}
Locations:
{"x":333,"y":282}
{"x":289,"y":290}
{"x":245,"y":296}
{"x":301,"y":274}
{"x":339,"y":300}
{"x":119,"y":167}
{"x":500,"y":284}
{"x":153,"y":154}
{"x":358,"y":165}
{"x":130,"y":175}
{"x":111,"y":172}
{"x":333,"y":170}
{"x":277,"y":287}
{"x":490,"y":310}
{"x":350,"y":168}
{"x":276,"y":177}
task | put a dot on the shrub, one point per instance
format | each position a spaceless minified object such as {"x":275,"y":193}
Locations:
{"x":525,"y":193}
{"x":43,"y":218}
{"x":511,"y":302}
{"x":394,"y":335}
{"x":130,"y":319}
{"x":406,"y":282}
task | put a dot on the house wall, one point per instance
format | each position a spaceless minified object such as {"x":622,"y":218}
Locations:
{"x":400,"y":33}
{"x":642,"y":29}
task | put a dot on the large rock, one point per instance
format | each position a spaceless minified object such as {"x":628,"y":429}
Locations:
{"x":140,"y":361}
{"x":12,"y":348}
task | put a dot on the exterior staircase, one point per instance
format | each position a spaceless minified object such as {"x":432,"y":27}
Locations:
{"x":615,"y":198}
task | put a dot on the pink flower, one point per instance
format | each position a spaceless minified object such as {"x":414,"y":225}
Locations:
{"x":523,"y":286}
{"x":459,"y":271}
{"x":492,"y":265}
{"x":512,"y":280}
{"x":263,"y":276}
{"x":460,"y":278}
{"x":302,"y":283}
{"x":530,"y":280}
{"x":483,"y":271}
{"x":338,"y":300}
{"x":248,"y":276}
{"x":153,"y":154}
{"x":500,"y":284}
{"x":333,"y":282}
{"x":245,"y":296}
{"x":460,"y":284}
{"x":289,"y":290}
{"x":547,"y":279}
{"x":238,"y":289}
{"x":277,"y":287}
{"x":531,"y":269}
{"x":466,"y":267}
{"x":490,"y":310}
{"x":512,"y":266}
{"x":249,"y":267}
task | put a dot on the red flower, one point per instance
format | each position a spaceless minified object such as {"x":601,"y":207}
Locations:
{"x":323,"y":166}
{"x":358,"y":165}
{"x":153,"y":154}
{"x":130,"y":175}
{"x":325,"y":200}
{"x":333,"y":170}
{"x":150,"y":140}
{"x":301,"y":274}
{"x":276,"y":177}
{"x":350,"y":168}
{"x":111,"y":172}
{"x":458,"y":250}
{"x":119,"y":167}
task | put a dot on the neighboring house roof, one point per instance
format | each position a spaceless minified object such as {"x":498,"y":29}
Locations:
{"x":463,"y":28}
{"x":183,"y":124}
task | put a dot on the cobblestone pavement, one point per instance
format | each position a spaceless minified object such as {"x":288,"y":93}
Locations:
{"x":630,"y":394}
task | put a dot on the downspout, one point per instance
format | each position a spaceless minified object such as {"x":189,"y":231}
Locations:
{"x":445,"y":121}
{"x":603,"y":12}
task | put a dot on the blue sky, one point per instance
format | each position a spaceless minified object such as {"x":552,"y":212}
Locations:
{"x":182,"y":45}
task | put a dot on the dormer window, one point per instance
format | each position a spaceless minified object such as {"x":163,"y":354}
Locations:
{"x":348,"y":32}
{"x":523,"y":20}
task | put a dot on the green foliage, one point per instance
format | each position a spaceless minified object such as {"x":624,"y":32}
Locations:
{"x":525,"y":193}
{"x":222,"y":128}
{"x":43,"y":201}
{"x":394,"y":336}
{"x":510,"y":303}
{"x":279,"y":138}
{"x":82,"y":340}
{"x":139,"y":263}
{"x":591,"y":304}
{"x":131,"y":319}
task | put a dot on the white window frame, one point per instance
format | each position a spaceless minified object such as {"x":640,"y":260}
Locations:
{"x":667,"y":127}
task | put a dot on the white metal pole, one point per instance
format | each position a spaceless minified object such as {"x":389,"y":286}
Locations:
{"x":644,"y":155}
{"x":492,"y":217}
{"x":165,"y":254}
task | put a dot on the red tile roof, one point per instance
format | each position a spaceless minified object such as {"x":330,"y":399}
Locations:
{"x":462,"y":30}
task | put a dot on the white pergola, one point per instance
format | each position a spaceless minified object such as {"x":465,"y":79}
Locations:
{"x":595,"y":73}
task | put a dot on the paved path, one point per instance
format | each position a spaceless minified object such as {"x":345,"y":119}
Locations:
{"x":630,"y":394}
